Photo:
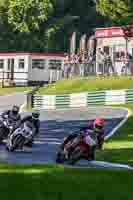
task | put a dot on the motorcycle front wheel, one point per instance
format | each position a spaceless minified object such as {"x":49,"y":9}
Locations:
{"x":18,"y":140}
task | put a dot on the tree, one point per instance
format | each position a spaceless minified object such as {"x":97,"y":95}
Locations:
{"x":69,"y":16}
{"x":3,"y":10}
{"x":117,"y":10}
{"x":45,"y":25}
{"x":26,"y":16}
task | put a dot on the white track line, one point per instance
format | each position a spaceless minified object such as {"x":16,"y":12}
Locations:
{"x":108,"y":164}
{"x":22,"y":107}
{"x":129,"y":113}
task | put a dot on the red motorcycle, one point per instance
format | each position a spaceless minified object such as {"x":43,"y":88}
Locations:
{"x":73,"y":151}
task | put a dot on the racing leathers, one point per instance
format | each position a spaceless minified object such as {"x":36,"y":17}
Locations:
{"x":14,"y":117}
{"x":96,"y":137}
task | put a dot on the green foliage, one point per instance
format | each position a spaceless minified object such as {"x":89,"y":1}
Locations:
{"x":45,"y":25}
{"x":27,"y":15}
{"x":118,"y":10}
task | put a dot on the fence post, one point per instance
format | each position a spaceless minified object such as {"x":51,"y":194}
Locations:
{"x":29,"y":100}
{"x":30,"y":96}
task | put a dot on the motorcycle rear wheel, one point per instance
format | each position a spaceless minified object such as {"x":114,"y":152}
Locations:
{"x":60,"y":158}
{"x":74,"y":157}
{"x":3,"y":133}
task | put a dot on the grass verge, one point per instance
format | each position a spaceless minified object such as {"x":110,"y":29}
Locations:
{"x":82,"y":85}
{"x":57,"y":183}
{"x":5,"y":91}
{"x":119,"y":148}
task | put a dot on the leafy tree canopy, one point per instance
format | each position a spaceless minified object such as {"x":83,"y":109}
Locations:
{"x":117,"y":10}
{"x":26,"y":15}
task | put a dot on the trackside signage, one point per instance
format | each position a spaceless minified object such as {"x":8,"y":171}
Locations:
{"x":110,"y":32}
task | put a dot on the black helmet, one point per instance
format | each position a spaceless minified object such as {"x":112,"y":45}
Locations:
{"x":35,"y":115}
{"x":15,"y":109}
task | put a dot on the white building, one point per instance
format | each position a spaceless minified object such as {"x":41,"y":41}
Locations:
{"x":118,"y":47}
{"x":25,"y":68}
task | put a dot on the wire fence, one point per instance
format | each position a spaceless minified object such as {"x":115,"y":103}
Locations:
{"x":116,"y":68}
{"x":78,"y":70}
{"x":68,"y":71}
{"x":98,"y":69}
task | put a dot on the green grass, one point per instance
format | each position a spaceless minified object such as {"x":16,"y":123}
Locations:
{"x":119,"y":148}
{"x":82,"y":85}
{"x":4,"y":91}
{"x":57,"y":183}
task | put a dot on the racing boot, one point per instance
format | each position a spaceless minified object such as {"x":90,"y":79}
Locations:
{"x":29,"y":144}
{"x":1,"y":141}
{"x":91,"y":154}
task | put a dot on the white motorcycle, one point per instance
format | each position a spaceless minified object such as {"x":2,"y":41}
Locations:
{"x":19,"y":137}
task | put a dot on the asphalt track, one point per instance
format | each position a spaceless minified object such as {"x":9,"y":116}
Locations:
{"x":55,"y":125}
{"x":7,"y":101}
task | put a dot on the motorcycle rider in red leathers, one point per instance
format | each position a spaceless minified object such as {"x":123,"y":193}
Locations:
{"x":92,"y":135}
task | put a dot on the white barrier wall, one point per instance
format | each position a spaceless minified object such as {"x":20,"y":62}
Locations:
{"x":115,"y":97}
{"x":78,"y":100}
{"x":49,"y":101}
{"x":109,"y":97}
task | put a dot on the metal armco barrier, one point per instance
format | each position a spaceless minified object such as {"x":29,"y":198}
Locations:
{"x":107,"y":97}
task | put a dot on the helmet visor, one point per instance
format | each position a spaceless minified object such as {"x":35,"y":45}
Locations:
{"x":98,"y":127}
{"x":35,"y":116}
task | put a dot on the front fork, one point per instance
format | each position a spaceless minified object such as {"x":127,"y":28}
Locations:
{"x":10,"y":139}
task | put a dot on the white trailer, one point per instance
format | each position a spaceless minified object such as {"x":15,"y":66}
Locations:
{"x":28,"y":68}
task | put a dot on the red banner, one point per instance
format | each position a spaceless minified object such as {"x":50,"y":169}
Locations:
{"x":111,"y":32}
